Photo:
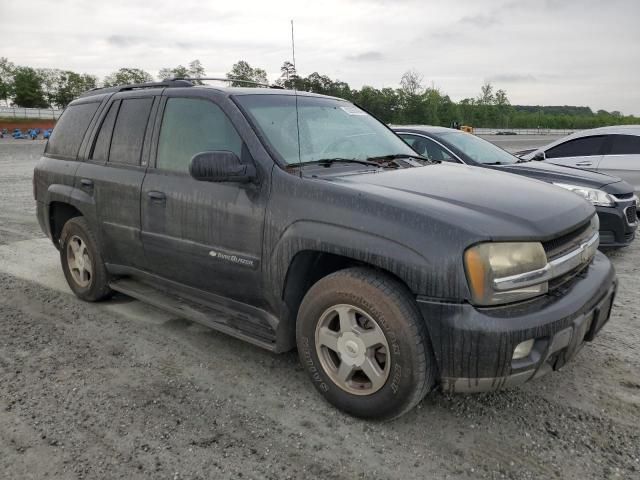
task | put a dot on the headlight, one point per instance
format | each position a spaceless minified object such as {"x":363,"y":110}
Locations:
{"x":595,"y":196}
{"x":487,"y":262}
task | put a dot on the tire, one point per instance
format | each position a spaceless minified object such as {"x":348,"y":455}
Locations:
{"x":87,"y":278}
{"x":351,"y":364}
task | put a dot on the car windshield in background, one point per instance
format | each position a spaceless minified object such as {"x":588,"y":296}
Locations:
{"x":328,"y":129}
{"x":478,"y":149}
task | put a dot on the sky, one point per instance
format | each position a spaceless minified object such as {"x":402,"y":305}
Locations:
{"x":544,"y":52}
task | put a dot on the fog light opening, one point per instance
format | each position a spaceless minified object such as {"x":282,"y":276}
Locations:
{"x":523,"y":349}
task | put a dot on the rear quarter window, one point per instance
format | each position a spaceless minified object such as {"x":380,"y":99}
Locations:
{"x":625,"y":145}
{"x":69,"y":131}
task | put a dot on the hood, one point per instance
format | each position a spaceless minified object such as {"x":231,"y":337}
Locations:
{"x":495,"y":204}
{"x":548,"y":172}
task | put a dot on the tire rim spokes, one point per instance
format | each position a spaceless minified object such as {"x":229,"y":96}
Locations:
{"x":353,"y":349}
{"x":79,"y":261}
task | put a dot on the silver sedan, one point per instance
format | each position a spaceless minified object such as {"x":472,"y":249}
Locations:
{"x":611,"y":150}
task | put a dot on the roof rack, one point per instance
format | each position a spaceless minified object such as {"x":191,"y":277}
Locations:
{"x":164,"y":83}
{"x":134,"y":86}
{"x":222,"y":79}
{"x":171,"y":83}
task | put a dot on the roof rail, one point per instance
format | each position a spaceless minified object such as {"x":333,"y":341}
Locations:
{"x":169,"y":83}
{"x":164,"y":83}
{"x":222,"y":79}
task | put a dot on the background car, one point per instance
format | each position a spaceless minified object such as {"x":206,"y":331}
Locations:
{"x":613,"y":198}
{"x":611,"y":150}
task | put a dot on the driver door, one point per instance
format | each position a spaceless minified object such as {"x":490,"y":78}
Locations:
{"x":202,"y":234}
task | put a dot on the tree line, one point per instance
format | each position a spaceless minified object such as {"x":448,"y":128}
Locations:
{"x":411,"y":103}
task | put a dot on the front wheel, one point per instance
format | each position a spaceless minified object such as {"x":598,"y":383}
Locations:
{"x":364,"y":344}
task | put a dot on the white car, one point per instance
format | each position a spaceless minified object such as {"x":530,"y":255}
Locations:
{"x":611,"y":150}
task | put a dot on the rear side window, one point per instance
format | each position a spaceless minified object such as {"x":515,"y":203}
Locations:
{"x":625,"y":145}
{"x":580,"y":147}
{"x":191,"y":126}
{"x":103,"y":142}
{"x":67,"y":135}
{"x":128,"y":133}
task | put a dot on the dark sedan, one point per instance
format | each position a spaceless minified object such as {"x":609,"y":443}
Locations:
{"x":613,"y":198}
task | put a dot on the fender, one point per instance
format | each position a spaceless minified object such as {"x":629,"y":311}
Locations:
{"x":407,"y":264}
{"x":75,"y":197}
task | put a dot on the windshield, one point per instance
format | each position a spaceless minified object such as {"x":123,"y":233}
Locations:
{"x":329,"y":129}
{"x":478,"y":149}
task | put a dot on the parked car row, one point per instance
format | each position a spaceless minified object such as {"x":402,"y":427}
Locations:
{"x":294,"y":220}
{"x":611,"y":150}
{"x":614,"y":199}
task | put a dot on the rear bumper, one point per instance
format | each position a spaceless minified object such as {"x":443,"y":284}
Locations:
{"x":42,"y":212}
{"x":615,"y":229}
{"x":474,"y":347}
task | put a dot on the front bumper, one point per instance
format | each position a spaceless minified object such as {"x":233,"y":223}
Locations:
{"x":474,"y":346}
{"x":615,"y":228}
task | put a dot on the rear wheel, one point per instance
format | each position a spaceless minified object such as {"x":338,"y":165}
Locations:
{"x":364,"y":344}
{"x":82,"y":262}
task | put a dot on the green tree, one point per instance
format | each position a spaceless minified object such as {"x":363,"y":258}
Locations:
{"x":243,"y":71}
{"x":196,"y":70}
{"x":288,"y":70}
{"x":411,"y":99}
{"x":501,"y":98}
{"x":27,"y":88}
{"x":6,"y":79}
{"x":72,"y":85}
{"x":487,"y":96}
{"x":180,"y":72}
{"x":126,"y":76}
{"x":50,"y":83}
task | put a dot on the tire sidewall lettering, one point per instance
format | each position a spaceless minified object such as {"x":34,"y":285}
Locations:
{"x":308,"y":360}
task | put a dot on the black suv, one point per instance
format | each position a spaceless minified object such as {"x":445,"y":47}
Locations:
{"x":291,"y":219}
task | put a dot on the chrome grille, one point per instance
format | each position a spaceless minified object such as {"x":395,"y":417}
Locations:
{"x":631,"y":214}
{"x":567,"y":242}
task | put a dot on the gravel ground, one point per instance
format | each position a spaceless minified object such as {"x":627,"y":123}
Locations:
{"x":122,"y":390}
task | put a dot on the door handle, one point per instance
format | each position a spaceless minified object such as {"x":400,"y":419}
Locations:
{"x":584,"y":164}
{"x":85,"y":182}
{"x":156,"y":196}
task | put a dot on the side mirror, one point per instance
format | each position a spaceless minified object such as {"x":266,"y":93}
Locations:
{"x":220,"y":166}
{"x":540,"y":156}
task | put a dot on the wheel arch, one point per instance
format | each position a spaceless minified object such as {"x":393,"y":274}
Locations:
{"x":309,"y":251}
{"x":59,"y":214}
{"x":63,"y":203}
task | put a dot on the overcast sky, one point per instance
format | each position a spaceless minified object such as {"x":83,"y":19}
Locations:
{"x":550,"y":52}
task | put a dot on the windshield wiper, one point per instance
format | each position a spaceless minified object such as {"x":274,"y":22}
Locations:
{"x":523,"y":160}
{"x":494,"y":163}
{"x":330,"y":161}
{"x":397,"y":156}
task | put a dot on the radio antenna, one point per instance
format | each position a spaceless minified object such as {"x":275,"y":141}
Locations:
{"x":295,"y":92}
{"x":293,"y":46}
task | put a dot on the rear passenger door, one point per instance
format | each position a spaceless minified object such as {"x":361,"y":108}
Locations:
{"x":583,"y":152}
{"x":205,"y":235}
{"x":622,"y":159}
{"x":113,"y":174}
